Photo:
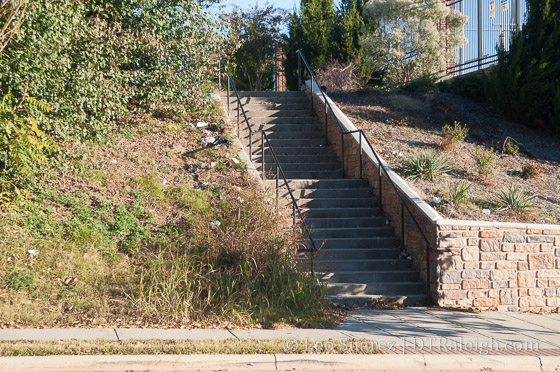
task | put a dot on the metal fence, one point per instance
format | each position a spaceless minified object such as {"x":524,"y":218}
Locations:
{"x":490,"y":26}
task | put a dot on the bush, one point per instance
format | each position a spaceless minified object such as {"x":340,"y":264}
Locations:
{"x":337,"y":76}
{"x":424,"y":84}
{"x":484,"y":162}
{"x":472,"y":86}
{"x":426,"y":164}
{"x":531,"y":171}
{"x":452,"y":135}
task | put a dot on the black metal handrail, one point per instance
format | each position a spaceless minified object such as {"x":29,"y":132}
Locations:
{"x":280,"y":172}
{"x":381,"y":166}
{"x":239,"y":106}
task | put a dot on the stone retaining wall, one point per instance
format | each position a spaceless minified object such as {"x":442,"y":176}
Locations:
{"x":472,"y":264}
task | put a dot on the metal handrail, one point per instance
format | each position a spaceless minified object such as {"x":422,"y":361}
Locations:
{"x":381,"y":167}
{"x":280,"y":172}
{"x":239,"y":105}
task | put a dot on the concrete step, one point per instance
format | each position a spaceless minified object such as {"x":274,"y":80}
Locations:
{"x":298,"y":159}
{"x":301,"y":151}
{"x":411,"y":299}
{"x":267,"y":93}
{"x":329,"y":184}
{"x":361,"y":277}
{"x":272,"y":106}
{"x":262,"y":113}
{"x":282,"y":120}
{"x":357,"y":253}
{"x":332,"y":193}
{"x":340,"y":212}
{"x":374,"y":288}
{"x":363,"y":266}
{"x":247,"y":101}
{"x":318,"y":174}
{"x":287,"y":135}
{"x":288,"y":167}
{"x":337,"y":203}
{"x":346,"y":222}
{"x":352,"y":232}
{"x":270,"y":128}
{"x":353,"y":243}
{"x":277,"y":143}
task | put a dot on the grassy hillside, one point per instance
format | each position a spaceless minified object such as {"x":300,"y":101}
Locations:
{"x":123,"y":231}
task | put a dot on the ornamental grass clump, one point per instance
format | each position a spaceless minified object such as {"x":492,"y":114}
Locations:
{"x":513,"y":199}
{"x":459,"y":193}
{"x":426,"y":164}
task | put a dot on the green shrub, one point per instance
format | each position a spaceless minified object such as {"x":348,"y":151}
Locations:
{"x":513,"y":199}
{"x":472,"y":86}
{"x":457,"y":132}
{"x":425,"y":84}
{"x":484,"y":162}
{"x":531,"y":171}
{"x":426,"y":164}
{"x":510,"y":148}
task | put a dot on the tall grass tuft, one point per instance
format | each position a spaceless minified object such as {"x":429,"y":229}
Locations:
{"x":513,"y":199}
{"x":426,"y":164}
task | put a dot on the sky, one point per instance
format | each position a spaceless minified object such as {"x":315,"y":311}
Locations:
{"x":243,"y":4}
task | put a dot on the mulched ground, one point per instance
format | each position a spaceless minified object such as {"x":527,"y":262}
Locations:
{"x":400,"y":124}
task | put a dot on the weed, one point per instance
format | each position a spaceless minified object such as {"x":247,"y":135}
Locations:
{"x":459,"y":193}
{"x":484,"y":162}
{"x":513,"y":199}
{"x":19,"y":280}
{"x":456,"y":133}
{"x":531,"y":171}
{"x":508,"y":147}
{"x":426,"y":164}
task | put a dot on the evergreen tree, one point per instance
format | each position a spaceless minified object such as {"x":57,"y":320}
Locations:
{"x":351,"y":22}
{"x":526,"y":83}
{"x":312,"y":30}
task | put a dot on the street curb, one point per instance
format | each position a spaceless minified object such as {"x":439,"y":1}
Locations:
{"x":273,"y":362}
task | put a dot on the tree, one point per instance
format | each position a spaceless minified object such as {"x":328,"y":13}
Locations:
{"x":351,"y":23}
{"x":410,"y":38}
{"x":311,"y":30}
{"x":526,"y":83}
{"x":259,"y":31}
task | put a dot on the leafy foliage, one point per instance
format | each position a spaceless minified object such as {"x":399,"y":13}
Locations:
{"x":23,"y":143}
{"x":526,"y":83}
{"x":406,"y":38}
{"x":97,"y":62}
{"x":426,"y":164}
{"x":259,"y":32}
{"x":484,"y":160}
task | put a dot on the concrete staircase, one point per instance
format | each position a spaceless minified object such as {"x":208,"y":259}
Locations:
{"x":358,"y":258}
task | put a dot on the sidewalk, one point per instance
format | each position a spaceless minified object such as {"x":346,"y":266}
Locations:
{"x":412,"y":339}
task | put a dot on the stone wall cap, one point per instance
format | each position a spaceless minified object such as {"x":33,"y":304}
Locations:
{"x":497,"y":224}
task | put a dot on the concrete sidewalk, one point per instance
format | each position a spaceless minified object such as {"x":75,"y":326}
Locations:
{"x":280,"y":362}
{"x":412,"y":339}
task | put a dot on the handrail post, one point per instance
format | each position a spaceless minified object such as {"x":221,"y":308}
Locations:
{"x":277,"y":207}
{"x":299,"y":70}
{"x":262,"y":153}
{"x":228,"y":109}
{"x":342,"y":146}
{"x":219,"y":74}
{"x":238,"y":116}
{"x":380,"y":183}
{"x":428,"y":276}
{"x":402,"y":225}
{"x":293,"y":213}
{"x":250,"y":144}
{"x":326,"y":124}
{"x":360,"y":136}
{"x":312,"y":94}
